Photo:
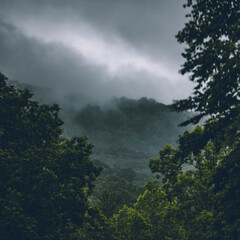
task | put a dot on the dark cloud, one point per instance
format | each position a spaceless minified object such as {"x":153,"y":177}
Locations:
{"x":149,"y":25}
{"x":33,"y":62}
{"x":147,"y":28}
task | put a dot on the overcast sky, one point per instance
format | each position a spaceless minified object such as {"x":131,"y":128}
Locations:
{"x":95,"y":48}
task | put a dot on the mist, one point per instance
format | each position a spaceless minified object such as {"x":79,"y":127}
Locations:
{"x":94,"y":50}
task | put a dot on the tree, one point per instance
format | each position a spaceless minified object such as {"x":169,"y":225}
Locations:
{"x":190,"y":191}
{"x":129,"y":224}
{"x":212,"y":58}
{"x":45,"y":179}
{"x":161,"y":212}
{"x":212,"y":54}
{"x":108,"y":203}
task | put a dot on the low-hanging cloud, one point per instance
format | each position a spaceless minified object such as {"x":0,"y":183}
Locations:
{"x":63,"y":45}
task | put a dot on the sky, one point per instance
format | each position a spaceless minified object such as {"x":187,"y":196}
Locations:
{"x":97,"y":49}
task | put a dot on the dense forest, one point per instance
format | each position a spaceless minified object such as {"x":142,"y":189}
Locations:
{"x":51,"y":188}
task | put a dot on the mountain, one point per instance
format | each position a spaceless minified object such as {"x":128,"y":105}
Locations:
{"x":125,"y":132}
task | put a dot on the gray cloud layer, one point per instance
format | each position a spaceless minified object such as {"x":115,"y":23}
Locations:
{"x":38,"y":46}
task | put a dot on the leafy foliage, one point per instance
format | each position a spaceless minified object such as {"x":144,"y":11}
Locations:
{"x":117,"y":187}
{"x":45,"y":179}
{"x":212,"y":57}
{"x":193,"y":190}
{"x":130,"y":224}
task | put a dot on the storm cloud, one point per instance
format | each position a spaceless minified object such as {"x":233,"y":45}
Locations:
{"x":97,"y":49}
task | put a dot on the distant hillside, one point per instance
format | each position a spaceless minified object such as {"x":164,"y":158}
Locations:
{"x":142,"y":124}
{"x":125,"y":132}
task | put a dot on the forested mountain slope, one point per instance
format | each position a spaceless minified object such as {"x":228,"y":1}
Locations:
{"x":125,"y":132}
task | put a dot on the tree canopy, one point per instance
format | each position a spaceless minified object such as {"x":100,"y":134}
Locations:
{"x":212,"y":54}
{"x":211,"y":37}
{"x":45,"y":179}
